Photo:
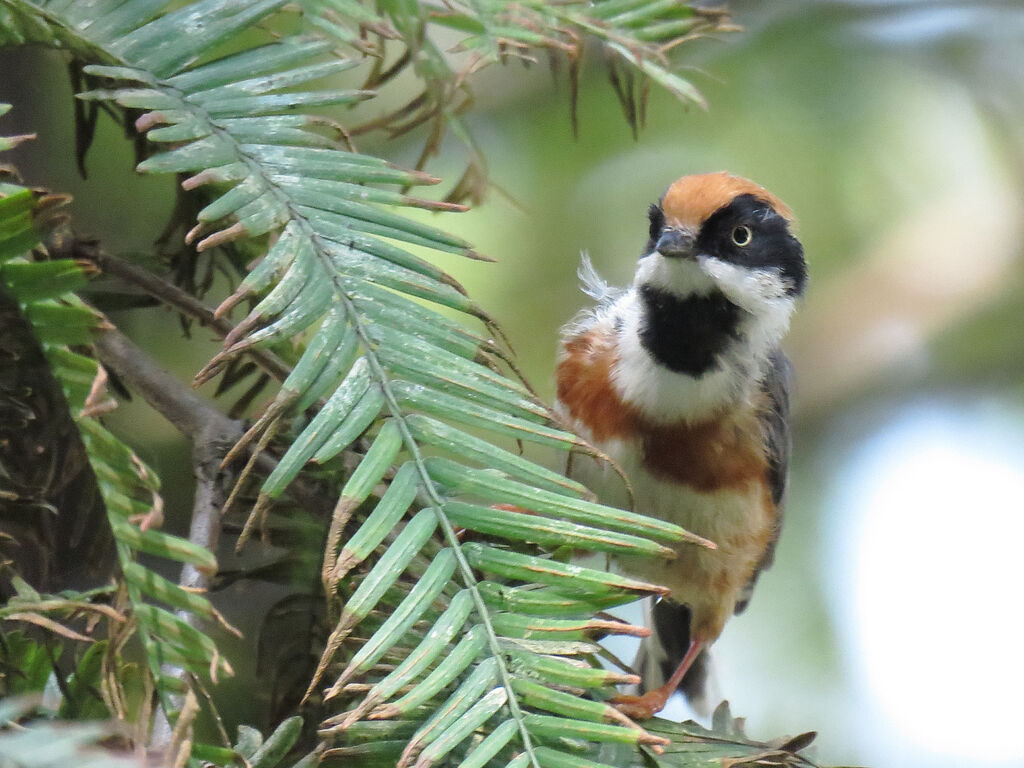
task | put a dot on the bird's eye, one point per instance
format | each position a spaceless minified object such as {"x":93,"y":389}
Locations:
{"x":742,"y":235}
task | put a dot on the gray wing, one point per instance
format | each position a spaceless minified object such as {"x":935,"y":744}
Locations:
{"x":775,"y":428}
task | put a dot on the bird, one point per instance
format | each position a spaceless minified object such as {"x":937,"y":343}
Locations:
{"x":681,"y":381}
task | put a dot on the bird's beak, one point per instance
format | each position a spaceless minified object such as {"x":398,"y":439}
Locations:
{"x":676,"y":243}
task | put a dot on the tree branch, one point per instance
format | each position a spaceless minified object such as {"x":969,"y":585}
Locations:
{"x":196,"y":419}
{"x":212,"y":434}
{"x":173,"y":296}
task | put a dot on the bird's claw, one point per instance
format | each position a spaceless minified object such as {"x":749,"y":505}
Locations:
{"x":641,"y":707}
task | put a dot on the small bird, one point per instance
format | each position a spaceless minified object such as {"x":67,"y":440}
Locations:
{"x":680,"y":380}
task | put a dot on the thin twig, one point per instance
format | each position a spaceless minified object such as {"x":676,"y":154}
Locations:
{"x":211,"y":434}
{"x":173,"y":296}
{"x":185,"y":410}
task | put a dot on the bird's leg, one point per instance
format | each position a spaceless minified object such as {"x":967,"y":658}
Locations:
{"x":649,"y":704}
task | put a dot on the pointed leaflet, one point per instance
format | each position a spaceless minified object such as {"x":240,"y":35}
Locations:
{"x":376,"y":583}
{"x":536,"y":627}
{"x":419,"y":660}
{"x":362,"y":415}
{"x":383,"y":307}
{"x":481,"y":680}
{"x":390,"y":566}
{"x":409,"y":358}
{"x":326,"y":343}
{"x":165,"y":45}
{"x":370,"y":471}
{"x":517,"y":526}
{"x":297,"y":318}
{"x":320,"y":429}
{"x":355,"y":248}
{"x":495,"y":741}
{"x":274,"y":57}
{"x":423,"y":398}
{"x":550,"y":728}
{"x":424,"y":592}
{"x":463,"y":727}
{"x":490,"y":487}
{"x":468,"y":649}
{"x":529,"y":568}
{"x":389,"y":510}
{"x":267,"y":83}
{"x":338,"y":362}
{"x":437,"y":433}
{"x":560,"y":672}
{"x":547,"y":601}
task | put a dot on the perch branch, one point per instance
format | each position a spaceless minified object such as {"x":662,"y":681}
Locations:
{"x":196,"y":419}
{"x":173,"y":296}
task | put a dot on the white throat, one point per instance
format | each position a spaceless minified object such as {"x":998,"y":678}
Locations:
{"x":665,"y":396}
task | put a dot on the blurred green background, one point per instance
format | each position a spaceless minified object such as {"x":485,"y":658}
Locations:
{"x":891,"y":621}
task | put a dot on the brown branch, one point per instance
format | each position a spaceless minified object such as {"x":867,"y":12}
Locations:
{"x":190,"y":414}
{"x":173,"y":296}
{"x":183,"y":408}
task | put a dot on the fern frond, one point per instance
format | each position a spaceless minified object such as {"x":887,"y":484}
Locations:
{"x":446,"y":650}
{"x":328,"y":266}
{"x":635,"y":38}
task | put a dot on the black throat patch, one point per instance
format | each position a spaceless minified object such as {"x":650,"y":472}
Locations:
{"x":687,"y":335}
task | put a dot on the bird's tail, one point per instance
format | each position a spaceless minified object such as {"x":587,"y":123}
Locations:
{"x":662,"y":652}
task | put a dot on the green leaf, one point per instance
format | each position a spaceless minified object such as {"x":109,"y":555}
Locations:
{"x":462,"y":727}
{"x":547,"y":601}
{"x":249,"y":740}
{"x":465,"y":653}
{"x":445,"y":406}
{"x":528,"y":568}
{"x":157,"y":587}
{"x":362,"y":415}
{"x":427,"y":589}
{"x":559,"y":702}
{"x":433,"y":432}
{"x":320,"y":429}
{"x":548,"y":727}
{"x":494,"y":488}
{"x":441,"y":634}
{"x":274,"y":57}
{"x":519,"y":526}
{"x":172,"y":629}
{"x":33,"y":281}
{"x":387,"y":570}
{"x":374,"y":465}
{"x":56,"y":323}
{"x":560,"y":672}
{"x":278,"y":744}
{"x":267,"y":83}
{"x":550,"y":758}
{"x":162,"y":544}
{"x":389,"y":510}
{"x":447,"y":372}
{"x":334,"y":337}
{"x":481,"y":680}
{"x":495,"y":741}
{"x":382,"y":307}
{"x":164,"y":45}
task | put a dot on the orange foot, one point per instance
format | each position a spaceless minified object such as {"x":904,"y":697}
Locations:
{"x":651,"y":703}
{"x":643,"y":707}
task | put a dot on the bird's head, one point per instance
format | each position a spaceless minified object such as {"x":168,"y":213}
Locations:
{"x":721,"y":232}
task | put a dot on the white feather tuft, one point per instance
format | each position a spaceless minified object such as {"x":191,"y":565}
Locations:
{"x":593,"y":284}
